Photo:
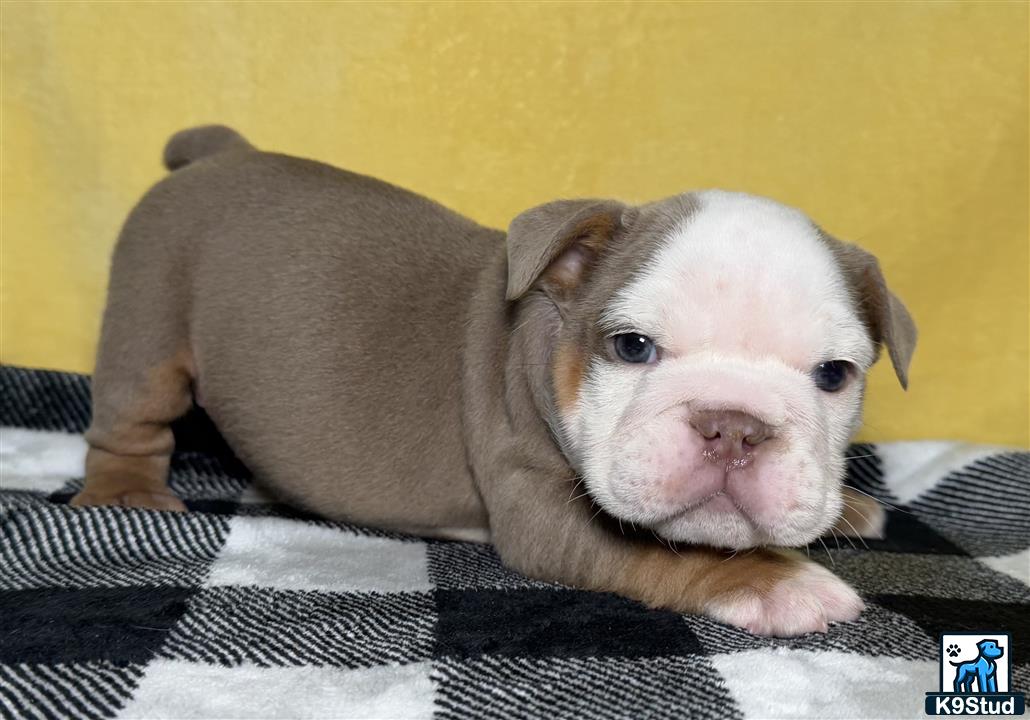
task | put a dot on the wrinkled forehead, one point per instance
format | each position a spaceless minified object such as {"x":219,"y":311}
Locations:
{"x":736,"y":274}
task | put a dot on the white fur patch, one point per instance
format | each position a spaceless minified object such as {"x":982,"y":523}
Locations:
{"x":743,"y":299}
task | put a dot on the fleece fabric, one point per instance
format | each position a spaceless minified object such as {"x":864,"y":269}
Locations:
{"x":244,"y":608}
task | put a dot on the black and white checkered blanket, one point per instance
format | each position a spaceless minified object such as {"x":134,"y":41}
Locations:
{"x":245,"y":608}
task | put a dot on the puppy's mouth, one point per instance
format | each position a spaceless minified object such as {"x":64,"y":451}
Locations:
{"x":712,"y":495}
{"x":719,"y":502}
{"x":720,"y":520}
{"x":723,"y":519}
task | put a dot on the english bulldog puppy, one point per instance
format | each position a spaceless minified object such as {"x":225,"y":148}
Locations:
{"x":619,"y":397}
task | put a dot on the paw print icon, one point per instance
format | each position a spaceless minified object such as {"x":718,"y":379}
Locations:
{"x":953,"y":650}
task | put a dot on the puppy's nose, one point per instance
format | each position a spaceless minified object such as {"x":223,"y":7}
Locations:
{"x":729,"y":435}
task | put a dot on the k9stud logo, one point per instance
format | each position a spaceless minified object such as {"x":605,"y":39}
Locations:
{"x":974,"y":672}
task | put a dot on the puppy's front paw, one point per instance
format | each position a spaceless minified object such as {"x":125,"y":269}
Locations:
{"x":806,"y":601}
{"x":131,"y":498}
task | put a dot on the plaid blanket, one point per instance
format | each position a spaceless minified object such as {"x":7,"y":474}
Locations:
{"x":246,"y":608}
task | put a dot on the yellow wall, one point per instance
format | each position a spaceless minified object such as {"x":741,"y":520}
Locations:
{"x":902,"y":126}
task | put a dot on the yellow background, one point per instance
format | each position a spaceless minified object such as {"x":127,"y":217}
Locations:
{"x":901,"y":126}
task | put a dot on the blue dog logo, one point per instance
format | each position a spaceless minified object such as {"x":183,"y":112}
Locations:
{"x":982,"y":670}
{"x":974,"y":674}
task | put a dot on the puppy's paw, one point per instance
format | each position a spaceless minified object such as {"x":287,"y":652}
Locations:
{"x":131,"y":498}
{"x":861,"y":516}
{"x":803,"y":602}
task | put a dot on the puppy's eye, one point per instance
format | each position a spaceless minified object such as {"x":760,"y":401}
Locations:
{"x":635,"y":348}
{"x":831,"y":376}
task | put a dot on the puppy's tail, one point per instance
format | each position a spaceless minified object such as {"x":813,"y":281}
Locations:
{"x":191,"y":144}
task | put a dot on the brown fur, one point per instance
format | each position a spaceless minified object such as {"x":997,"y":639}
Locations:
{"x":130,"y":438}
{"x":569,"y":366}
{"x":375,"y":357}
{"x":694,"y":579}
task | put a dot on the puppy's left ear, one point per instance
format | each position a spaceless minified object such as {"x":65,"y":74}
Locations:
{"x":555,"y":245}
{"x":884,"y":314}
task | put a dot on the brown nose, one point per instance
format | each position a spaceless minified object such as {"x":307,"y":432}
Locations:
{"x":729,"y":434}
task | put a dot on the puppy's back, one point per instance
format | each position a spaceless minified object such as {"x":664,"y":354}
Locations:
{"x":323,"y":315}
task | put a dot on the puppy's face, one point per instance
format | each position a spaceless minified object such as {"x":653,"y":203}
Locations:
{"x":709,"y":365}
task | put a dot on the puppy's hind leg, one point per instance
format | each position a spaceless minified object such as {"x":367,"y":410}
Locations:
{"x":130,"y":439}
{"x":143,"y":378}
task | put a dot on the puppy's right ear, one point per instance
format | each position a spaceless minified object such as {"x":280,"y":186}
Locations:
{"x":555,"y":245}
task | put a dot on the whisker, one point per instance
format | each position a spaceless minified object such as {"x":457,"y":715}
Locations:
{"x":850,"y":541}
{"x":856,"y":510}
{"x":832,"y":563}
{"x":578,"y":483}
{"x":882,"y":502}
{"x":521,"y":325}
{"x":861,"y":515}
{"x":860,"y":538}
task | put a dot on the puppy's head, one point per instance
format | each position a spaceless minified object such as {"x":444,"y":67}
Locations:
{"x":707,"y":358}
